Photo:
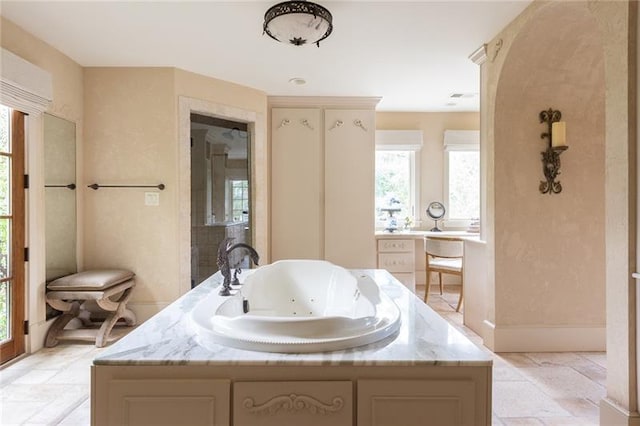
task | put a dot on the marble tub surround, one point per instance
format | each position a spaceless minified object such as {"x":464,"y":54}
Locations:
{"x":159,"y":374}
{"x":424,"y":338}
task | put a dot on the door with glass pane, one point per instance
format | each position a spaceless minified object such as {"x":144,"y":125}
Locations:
{"x":12,"y":215}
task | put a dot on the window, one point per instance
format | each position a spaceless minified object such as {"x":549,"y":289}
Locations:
{"x":397,"y":174}
{"x":462,"y":179}
{"x":239,"y":200}
{"x":395,"y":184}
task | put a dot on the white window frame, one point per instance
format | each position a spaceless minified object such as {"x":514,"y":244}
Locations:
{"x":404,"y":140}
{"x":457,"y":140}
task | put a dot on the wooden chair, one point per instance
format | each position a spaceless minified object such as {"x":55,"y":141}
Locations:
{"x":444,"y":256}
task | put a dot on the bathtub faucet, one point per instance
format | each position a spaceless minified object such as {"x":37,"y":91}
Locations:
{"x":224,"y":250}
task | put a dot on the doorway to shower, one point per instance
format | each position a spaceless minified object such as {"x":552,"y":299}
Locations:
{"x":220,"y":192}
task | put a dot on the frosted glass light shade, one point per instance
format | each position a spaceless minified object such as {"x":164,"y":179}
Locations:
{"x":298,"y":23}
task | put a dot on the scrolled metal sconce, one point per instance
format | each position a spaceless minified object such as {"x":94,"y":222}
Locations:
{"x":551,"y":156}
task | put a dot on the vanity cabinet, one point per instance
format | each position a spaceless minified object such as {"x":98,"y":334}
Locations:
{"x":322,"y":180}
{"x":416,"y":402}
{"x":309,"y":403}
{"x":398,"y":257}
{"x":299,"y":395}
{"x":168,"y":402}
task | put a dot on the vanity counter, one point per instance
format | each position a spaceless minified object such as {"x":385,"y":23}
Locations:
{"x":418,"y":235}
{"x":427,"y":373}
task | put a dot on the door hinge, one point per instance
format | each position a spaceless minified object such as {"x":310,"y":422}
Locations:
{"x":26,"y":181}
{"x":26,"y":254}
{"x":26,"y":327}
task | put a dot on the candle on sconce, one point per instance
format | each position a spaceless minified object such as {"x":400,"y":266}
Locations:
{"x":559,"y":133}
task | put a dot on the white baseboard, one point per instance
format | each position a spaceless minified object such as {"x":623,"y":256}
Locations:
{"x":37,"y":334}
{"x":544,"y":338}
{"x":614,"y":415}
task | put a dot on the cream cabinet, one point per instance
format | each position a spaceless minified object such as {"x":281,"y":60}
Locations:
{"x":398,"y":257}
{"x":322,"y":180}
{"x":309,"y":403}
{"x":416,"y":402}
{"x":276,"y":395}
{"x":167,"y":402}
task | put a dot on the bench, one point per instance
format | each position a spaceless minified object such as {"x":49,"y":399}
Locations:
{"x":97,"y":298}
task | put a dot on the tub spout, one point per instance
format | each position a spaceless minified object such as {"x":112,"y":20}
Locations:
{"x":224,"y":250}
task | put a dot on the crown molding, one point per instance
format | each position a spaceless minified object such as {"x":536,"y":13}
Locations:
{"x":338,"y":102}
{"x":479,"y":56}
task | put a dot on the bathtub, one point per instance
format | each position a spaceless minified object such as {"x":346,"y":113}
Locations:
{"x":298,"y":306}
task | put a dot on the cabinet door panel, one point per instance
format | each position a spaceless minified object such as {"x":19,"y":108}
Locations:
{"x":349,"y":188}
{"x":169,"y":402}
{"x":296,"y":185}
{"x":417,"y":403}
{"x":293,"y":403}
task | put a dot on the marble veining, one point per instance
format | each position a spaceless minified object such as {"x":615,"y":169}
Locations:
{"x":424,"y":338}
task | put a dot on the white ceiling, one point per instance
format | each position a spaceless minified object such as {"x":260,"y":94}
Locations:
{"x":412,"y":54}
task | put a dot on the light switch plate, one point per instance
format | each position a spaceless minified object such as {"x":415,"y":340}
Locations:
{"x":151,"y":198}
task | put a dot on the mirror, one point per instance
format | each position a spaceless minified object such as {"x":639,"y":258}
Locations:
{"x":220,"y":192}
{"x":436,"y":211}
{"x":60,"y":196}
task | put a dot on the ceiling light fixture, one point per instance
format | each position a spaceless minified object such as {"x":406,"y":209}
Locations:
{"x":298,"y":23}
{"x":298,"y":81}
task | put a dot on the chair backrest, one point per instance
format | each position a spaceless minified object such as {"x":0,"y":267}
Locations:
{"x":443,"y":248}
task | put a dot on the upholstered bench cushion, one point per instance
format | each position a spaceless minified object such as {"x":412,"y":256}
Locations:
{"x":99,"y":279}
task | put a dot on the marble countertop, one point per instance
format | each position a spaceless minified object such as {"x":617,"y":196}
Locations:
{"x":424,"y":338}
{"x":415,"y":234}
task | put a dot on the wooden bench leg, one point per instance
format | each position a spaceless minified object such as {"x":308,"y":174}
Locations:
{"x":121,"y":311}
{"x":60,"y":323}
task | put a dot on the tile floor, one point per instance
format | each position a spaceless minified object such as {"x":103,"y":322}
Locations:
{"x":51,"y":387}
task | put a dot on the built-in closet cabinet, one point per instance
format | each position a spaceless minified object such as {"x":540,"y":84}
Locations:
{"x":322,"y":180}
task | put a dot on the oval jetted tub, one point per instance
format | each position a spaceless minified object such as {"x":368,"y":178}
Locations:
{"x":298,"y":306}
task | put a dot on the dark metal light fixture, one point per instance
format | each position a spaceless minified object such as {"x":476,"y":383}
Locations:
{"x":298,"y":23}
{"x":551,"y":156}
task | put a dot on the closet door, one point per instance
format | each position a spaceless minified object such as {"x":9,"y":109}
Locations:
{"x":296,"y":185}
{"x":349,"y":188}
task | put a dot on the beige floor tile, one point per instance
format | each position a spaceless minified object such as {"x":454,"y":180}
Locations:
{"x":564,"y":382}
{"x":571,"y":421}
{"x":506,"y":374}
{"x":81,"y":416}
{"x":10,"y":374}
{"x":579,"y":407}
{"x":522,"y":421}
{"x":599,"y":358}
{"x":60,"y":407}
{"x":18,"y":412}
{"x":523,"y":399}
{"x":568,"y":359}
{"x":519,"y":360}
{"x":35,"y":377}
{"x":594,"y":372}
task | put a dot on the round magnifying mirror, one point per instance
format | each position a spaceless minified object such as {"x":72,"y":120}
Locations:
{"x":436,"y":211}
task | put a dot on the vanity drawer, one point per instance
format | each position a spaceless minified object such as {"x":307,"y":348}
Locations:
{"x":396,"y":262}
{"x":385,"y":245}
{"x":323,"y":403}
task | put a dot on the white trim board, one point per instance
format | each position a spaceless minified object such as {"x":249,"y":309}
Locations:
{"x":544,"y":338}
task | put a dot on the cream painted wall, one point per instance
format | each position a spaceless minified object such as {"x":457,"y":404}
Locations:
{"x":549,"y":269}
{"x":433,"y":125}
{"x":615,"y":24}
{"x":131,"y":122}
{"x":130,"y":128}
{"x":67,"y":103}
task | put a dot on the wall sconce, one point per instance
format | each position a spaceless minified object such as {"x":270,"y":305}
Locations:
{"x":551,"y":156}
